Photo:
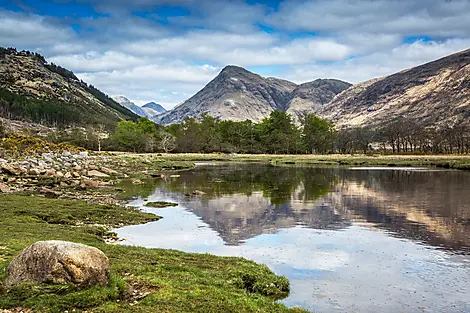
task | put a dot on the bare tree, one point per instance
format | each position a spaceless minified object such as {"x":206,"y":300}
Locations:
{"x":168,"y":142}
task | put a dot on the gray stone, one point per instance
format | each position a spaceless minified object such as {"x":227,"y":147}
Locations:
{"x":66,"y":154}
{"x":83,"y":155}
{"x":48,"y":155}
{"x":59,"y":262}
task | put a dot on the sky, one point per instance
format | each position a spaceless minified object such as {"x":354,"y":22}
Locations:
{"x":167,"y":50}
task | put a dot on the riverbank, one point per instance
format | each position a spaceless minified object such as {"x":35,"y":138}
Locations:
{"x":461,"y":162}
{"x":143,"y":280}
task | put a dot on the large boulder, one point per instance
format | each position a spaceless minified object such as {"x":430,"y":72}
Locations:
{"x":59,"y":262}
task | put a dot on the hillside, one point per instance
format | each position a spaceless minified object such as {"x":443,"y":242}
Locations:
{"x":33,"y":90}
{"x":435,"y":93}
{"x":313,"y":96}
{"x":237,"y":94}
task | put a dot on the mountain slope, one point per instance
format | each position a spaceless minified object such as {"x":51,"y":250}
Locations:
{"x":152,"y":109}
{"x":131,"y":106}
{"x":434,"y":93}
{"x":33,"y":90}
{"x":313,"y":96}
{"x":235,"y":94}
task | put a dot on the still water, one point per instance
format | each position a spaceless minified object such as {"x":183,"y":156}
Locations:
{"x":349,"y":240}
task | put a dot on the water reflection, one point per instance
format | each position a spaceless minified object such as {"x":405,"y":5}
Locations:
{"x":349,"y":240}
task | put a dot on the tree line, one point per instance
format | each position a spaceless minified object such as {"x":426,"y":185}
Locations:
{"x":276,"y":134}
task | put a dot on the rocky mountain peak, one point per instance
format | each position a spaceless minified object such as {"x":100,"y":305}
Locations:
{"x":237,"y":94}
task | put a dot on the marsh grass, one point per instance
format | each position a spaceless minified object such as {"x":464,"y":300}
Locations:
{"x":142,"y":280}
{"x":160,"y":204}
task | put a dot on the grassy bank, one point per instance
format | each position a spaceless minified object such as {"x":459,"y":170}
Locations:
{"x":461,"y":162}
{"x":143,"y":280}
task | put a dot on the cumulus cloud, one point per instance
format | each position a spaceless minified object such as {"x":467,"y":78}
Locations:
{"x":166,"y":56}
{"x":379,"y":64}
{"x":406,"y":17}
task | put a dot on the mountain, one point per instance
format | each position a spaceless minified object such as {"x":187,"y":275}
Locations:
{"x":237,"y":94}
{"x":33,"y":90}
{"x":435,"y":93}
{"x":313,"y":96}
{"x":152,"y":109}
{"x":131,"y":106}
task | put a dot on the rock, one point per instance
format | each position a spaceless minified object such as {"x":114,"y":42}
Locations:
{"x":108,"y":170}
{"x":137,"y":182}
{"x":10,"y":169}
{"x":92,"y":167}
{"x":198,"y":193}
{"x":66,"y":154}
{"x":95,"y":173}
{"x":49,"y":193}
{"x":76,"y":175}
{"x":59,"y":262}
{"x":68,"y":175}
{"x":89,"y":183}
{"x":67,"y":164}
{"x":3,"y":161}
{"x":4,"y":188}
{"x":50,"y":173}
{"x":175,"y":176}
{"x":48,"y":155}
{"x":59,"y":174}
{"x":34,"y":171}
{"x":83,"y":155}
{"x":23,"y":170}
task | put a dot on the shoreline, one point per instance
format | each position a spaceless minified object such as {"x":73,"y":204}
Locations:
{"x":142,"y":279}
{"x":91,"y":222}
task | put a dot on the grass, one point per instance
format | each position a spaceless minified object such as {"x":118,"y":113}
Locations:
{"x":461,"y":162}
{"x":160,"y":204}
{"x":142,"y":280}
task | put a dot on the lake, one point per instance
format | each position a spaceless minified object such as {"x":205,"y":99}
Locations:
{"x":349,"y":240}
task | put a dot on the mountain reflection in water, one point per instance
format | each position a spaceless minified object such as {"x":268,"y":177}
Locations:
{"x":308,"y":223}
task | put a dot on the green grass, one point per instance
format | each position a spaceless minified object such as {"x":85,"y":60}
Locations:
{"x":461,"y":162}
{"x":142,"y":280}
{"x":160,"y":204}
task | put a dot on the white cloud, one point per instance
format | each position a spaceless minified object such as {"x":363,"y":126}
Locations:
{"x":405,"y":17}
{"x":169,"y":83}
{"x":145,"y":60}
{"x":380,"y":63}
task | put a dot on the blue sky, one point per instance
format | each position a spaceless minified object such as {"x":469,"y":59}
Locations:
{"x":166,"y":50}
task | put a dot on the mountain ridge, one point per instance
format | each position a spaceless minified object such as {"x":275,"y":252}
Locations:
{"x":236,"y":94}
{"x":434,"y":93}
{"x":41,"y":92}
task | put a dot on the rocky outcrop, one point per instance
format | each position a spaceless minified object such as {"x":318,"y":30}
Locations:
{"x":59,"y":262}
{"x":237,"y":94}
{"x":436,"y":93}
